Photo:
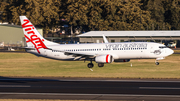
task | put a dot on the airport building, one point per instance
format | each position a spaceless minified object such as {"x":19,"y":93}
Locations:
{"x":131,"y":36}
{"x":12,"y":35}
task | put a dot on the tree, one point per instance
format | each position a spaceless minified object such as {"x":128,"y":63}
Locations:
{"x":157,"y":9}
{"x":172,"y":14}
{"x":107,"y":14}
{"x":95,"y":14}
{"x":5,"y":9}
{"x":132,"y":16}
{"x":43,"y":12}
{"x":40,"y":12}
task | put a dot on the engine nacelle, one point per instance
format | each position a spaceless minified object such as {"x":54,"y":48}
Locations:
{"x":122,"y":60}
{"x":104,"y":58}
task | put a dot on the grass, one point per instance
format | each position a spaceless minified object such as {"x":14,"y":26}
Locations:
{"x":176,"y":51}
{"x":25,"y":64}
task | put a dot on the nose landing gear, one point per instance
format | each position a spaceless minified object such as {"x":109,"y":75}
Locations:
{"x":156,"y":62}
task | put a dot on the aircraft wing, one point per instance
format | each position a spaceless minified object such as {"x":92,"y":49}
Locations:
{"x":79,"y":55}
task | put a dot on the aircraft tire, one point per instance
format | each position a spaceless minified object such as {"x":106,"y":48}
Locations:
{"x":100,"y":64}
{"x":90,"y":65}
{"x":157,"y":63}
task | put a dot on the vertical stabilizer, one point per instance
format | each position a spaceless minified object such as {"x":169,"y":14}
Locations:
{"x":33,"y":37}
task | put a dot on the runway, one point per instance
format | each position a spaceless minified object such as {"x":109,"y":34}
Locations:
{"x":89,"y":89}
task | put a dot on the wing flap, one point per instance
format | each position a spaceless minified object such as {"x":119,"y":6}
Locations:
{"x":77,"y":54}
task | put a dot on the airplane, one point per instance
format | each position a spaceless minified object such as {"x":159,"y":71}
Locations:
{"x":101,"y":53}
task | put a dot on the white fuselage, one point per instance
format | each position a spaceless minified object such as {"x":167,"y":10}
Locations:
{"x":100,"y":53}
{"x":122,"y":50}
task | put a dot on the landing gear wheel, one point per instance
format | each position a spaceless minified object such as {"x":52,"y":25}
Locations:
{"x":100,"y":64}
{"x":90,"y":65}
{"x":157,"y":63}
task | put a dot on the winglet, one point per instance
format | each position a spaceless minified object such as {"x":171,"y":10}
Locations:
{"x":105,"y":40}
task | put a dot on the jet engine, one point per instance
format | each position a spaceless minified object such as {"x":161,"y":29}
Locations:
{"x":104,"y":58}
{"x":122,"y":60}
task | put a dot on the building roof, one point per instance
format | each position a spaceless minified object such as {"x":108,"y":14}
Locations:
{"x":10,"y":25}
{"x":17,"y":26}
{"x":129,"y":33}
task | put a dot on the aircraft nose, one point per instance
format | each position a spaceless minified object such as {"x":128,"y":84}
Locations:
{"x":169,"y":51}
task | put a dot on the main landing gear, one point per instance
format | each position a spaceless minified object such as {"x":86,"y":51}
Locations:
{"x":100,"y":64}
{"x":91,"y":65}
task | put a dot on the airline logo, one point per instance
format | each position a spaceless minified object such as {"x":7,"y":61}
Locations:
{"x":157,"y":52}
{"x":126,"y":45}
{"x":33,"y":38}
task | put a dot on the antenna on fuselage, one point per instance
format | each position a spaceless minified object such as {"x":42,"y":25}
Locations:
{"x":105,"y":40}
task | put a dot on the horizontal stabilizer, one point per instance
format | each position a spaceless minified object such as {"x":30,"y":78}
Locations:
{"x":28,"y":48}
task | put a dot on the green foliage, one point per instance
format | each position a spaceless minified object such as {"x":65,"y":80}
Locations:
{"x":164,"y":13}
{"x":96,"y":14}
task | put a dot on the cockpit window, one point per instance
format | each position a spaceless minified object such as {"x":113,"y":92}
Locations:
{"x":162,"y":47}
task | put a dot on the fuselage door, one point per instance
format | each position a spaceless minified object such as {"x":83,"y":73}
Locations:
{"x":151,"y":49}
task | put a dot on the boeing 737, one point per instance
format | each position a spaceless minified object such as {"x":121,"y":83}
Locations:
{"x":101,"y":53}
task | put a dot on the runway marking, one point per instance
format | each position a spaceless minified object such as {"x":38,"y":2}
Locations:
{"x":121,"y":81}
{"x":15,"y":86}
{"x":71,"y":94}
{"x":158,"y":88}
{"x":28,"y":79}
{"x":79,"y":80}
